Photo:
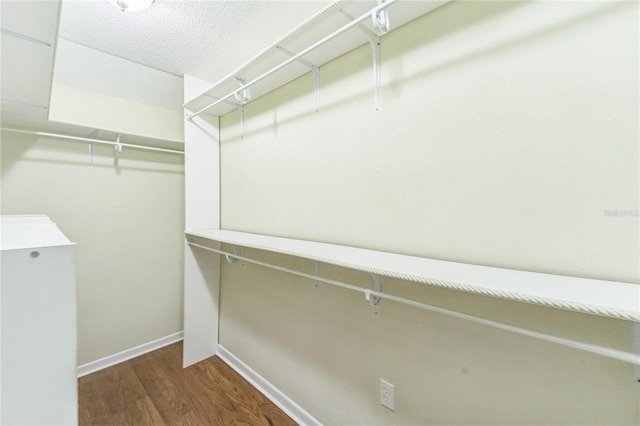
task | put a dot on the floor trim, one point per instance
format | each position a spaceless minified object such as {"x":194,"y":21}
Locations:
{"x":286,"y":404}
{"x":108,"y":361}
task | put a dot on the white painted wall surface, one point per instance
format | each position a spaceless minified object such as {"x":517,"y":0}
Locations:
{"x":508,"y":137}
{"x":126,"y":216}
{"x":88,"y":108}
{"x":507,"y":131}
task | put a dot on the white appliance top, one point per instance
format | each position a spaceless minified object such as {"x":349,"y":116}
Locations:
{"x":30,"y":231}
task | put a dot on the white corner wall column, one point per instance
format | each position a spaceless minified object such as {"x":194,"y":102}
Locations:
{"x":202,"y":209}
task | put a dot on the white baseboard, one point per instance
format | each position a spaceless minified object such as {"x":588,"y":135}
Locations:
{"x":286,"y":404}
{"x":108,"y":361}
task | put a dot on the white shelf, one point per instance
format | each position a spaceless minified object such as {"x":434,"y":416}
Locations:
{"x":598,"y":297}
{"x":325,"y":22}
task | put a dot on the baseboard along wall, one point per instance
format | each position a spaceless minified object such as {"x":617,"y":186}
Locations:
{"x":108,"y":361}
{"x":286,"y":404}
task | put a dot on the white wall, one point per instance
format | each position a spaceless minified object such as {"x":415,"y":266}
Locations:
{"x":126,"y":216}
{"x":88,"y":108}
{"x":502,"y":122}
{"x":508,"y":132}
{"x":94,"y":89}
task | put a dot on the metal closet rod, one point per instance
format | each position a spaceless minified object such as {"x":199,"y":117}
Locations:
{"x":90,"y":140}
{"x":587,"y":347}
{"x":319,"y":43}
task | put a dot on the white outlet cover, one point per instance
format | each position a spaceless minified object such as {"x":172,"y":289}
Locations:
{"x":387,"y":395}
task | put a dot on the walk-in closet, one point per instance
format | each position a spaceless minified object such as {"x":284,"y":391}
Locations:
{"x":323,"y":212}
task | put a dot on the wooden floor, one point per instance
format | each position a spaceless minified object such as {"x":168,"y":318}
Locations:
{"x":154,"y":389}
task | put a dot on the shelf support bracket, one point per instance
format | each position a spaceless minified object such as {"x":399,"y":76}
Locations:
{"x":92,"y":146}
{"x":374,"y":42}
{"x":315,"y":272}
{"x":380,"y":20}
{"x":314,"y":69}
{"x":243,"y":96}
{"x":118,"y":146}
{"x":634,"y":329}
{"x":376,"y":281}
{"x":237,"y":251}
{"x":241,"y":110}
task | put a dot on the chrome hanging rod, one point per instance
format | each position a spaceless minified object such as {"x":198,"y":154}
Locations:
{"x":90,"y":140}
{"x":587,"y":347}
{"x":317,"y":44}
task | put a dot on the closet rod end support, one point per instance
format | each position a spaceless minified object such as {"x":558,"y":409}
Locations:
{"x":118,"y":146}
{"x":373,"y":299}
{"x":237,"y":251}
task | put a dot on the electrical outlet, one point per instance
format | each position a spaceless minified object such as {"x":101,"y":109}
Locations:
{"x":387,"y":395}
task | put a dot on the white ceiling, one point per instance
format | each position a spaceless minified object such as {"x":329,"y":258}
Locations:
{"x":207,"y":39}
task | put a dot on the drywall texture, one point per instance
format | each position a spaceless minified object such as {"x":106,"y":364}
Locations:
{"x":125,"y":214}
{"x":85,"y":68}
{"x":508,"y":136}
{"x":88,"y":108}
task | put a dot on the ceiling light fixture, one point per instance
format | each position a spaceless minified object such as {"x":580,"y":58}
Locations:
{"x":132,"y":5}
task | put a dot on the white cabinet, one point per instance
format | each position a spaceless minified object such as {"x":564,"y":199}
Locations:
{"x":38,"y":322}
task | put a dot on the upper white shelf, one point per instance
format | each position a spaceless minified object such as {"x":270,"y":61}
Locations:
{"x":605,"y":298}
{"x":329,"y":20}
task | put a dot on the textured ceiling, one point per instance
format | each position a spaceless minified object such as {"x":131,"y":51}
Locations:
{"x":207,"y":39}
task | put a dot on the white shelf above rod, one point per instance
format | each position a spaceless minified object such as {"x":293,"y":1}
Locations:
{"x":300,"y":54}
{"x":587,"y":347}
{"x":117,"y":144}
{"x":597,"y":297}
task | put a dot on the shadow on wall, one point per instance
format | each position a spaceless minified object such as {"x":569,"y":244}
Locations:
{"x":12,"y":148}
{"x":442,"y":23}
{"x":466,"y":14}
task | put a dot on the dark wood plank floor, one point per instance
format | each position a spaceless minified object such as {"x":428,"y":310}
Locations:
{"x":154,"y":389}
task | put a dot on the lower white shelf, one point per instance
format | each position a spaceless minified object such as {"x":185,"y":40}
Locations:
{"x":597,"y":297}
